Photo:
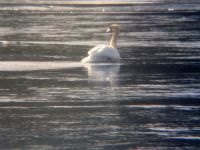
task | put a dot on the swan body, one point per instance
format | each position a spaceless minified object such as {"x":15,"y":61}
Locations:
{"x":105,"y":53}
{"x":102,"y":53}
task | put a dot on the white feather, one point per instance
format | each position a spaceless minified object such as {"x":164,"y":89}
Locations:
{"x":102,"y":53}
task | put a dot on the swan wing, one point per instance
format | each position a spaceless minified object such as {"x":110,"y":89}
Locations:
{"x":92,"y":54}
{"x":109,"y":52}
{"x":102,"y":53}
{"x":95,"y":49}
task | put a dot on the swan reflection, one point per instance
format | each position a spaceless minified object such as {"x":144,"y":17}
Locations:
{"x":103,"y":74}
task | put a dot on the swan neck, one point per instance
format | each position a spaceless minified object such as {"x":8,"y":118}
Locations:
{"x":113,"y":40}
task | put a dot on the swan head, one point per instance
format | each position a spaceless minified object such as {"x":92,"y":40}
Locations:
{"x":113,"y":28}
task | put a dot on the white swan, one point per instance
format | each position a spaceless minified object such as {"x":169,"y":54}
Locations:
{"x":104,"y":53}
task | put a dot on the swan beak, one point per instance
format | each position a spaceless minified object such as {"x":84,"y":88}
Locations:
{"x":108,"y":30}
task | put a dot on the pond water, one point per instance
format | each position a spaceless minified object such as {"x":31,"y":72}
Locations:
{"x":148,"y":101}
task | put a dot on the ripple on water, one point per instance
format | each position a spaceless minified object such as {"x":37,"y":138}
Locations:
{"x":49,"y":100}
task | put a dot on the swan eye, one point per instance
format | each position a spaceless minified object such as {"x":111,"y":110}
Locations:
{"x":112,"y":29}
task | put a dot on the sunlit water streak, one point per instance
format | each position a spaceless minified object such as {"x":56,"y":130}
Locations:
{"x":149,"y":101}
{"x":30,"y":66}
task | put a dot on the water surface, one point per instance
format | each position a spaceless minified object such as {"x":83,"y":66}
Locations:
{"x":49,"y":100}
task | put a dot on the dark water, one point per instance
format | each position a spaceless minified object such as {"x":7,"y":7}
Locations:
{"x":150,"y":101}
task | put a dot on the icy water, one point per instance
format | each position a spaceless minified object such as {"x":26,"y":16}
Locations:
{"x":50,"y":101}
